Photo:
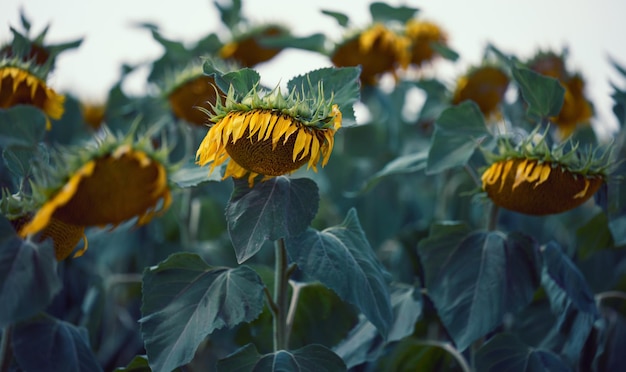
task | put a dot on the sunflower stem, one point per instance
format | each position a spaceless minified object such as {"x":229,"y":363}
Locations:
{"x":5,"y":349}
{"x":281,"y":282}
{"x":493,"y":218}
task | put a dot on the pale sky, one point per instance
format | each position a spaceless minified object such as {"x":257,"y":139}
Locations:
{"x":592,"y":30}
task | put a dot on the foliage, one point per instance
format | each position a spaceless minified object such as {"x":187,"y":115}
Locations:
{"x":390,"y":257}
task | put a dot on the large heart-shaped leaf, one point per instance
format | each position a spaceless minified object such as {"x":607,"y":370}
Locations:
{"x":185,"y":300}
{"x":277,"y":208}
{"x":311,"y":358}
{"x":458,"y":132}
{"x":543,"y":94}
{"x":475,"y":279}
{"x":505,"y":352}
{"x":48,"y":344}
{"x":341,"y":258}
{"x":28,"y":278}
{"x":571,"y":300}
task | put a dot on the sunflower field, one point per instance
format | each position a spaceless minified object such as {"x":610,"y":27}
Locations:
{"x":333,"y":223}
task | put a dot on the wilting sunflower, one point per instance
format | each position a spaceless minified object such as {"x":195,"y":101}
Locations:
{"x":532,"y":179}
{"x":576,"y":109}
{"x":24,"y":84}
{"x":377,"y":49}
{"x":422,"y":35}
{"x":247,"y":49}
{"x":189,"y":90}
{"x":115,"y":182}
{"x":269,"y":135}
{"x":485,"y":85}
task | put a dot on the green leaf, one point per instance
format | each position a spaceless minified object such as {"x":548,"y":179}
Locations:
{"x":543,"y":94}
{"x":138,"y":364}
{"x":242,"y":81}
{"x":22,"y":125}
{"x":185,"y":300}
{"x":321,"y":317}
{"x":277,"y":208}
{"x":436,"y":99}
{"x":341,"y":258}
{"x":421,"y":356}
{"x":49,"y":344}
{"x":458,"y":132}
{"x":610,"y":354}
{"x":341,"y":18}
{"x":230,"y":14}
{"x":190,"y":175}
{"x":365,"y":344}
{"x":475,"y":280}
{"x":445,"y":51}
{"x":404,"y":164}
{"x":382,"y":12}
{"x":28,"y":278}
{"x":594,"y":235}
{"x":341,"y":86}
{"x":570,"y":298}
{"x":313,"y":42}
{"x":506,"y":352}
{"x":311,"y":358}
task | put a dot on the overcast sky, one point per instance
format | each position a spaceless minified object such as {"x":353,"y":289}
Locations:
{"x":592,"y":31}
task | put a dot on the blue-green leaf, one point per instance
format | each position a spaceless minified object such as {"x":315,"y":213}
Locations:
{"x":311,"y":358}
{"x":411,"y":354}
{"x":190,"y":175}
{"x":242,"y":81}
{"x":404,"y":164}
{"x":138,"y":364}
{"x":22,"y":125}
{"x":475,"y":280}
{"x":543,"y":94}
{"x":48,"y":344}
{"x":341,"y":258}
{"x":341,"y":18}
{"x":185,"y":300}
{"x":571,"y":300}
{"x":382,"y":12}
{"x":505,"y":352}
{"x":281,"y":207}
{"x":341,"y":85}
{"x":28,"y":278}
{"x":458,"y":132}
{"x":313,"y":42}
{"x":365,"y":344}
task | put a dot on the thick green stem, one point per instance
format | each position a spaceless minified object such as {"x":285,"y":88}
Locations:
{"x":281,"y":300}
{"x":5,"y":349}
{"x":493,"y":218}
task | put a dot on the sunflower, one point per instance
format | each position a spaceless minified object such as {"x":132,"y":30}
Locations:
{"x":532,"y":179}
{"x":111,"y":184}
{"x":422,"y":34}
{"x":189,"y":90}
{"x":377,"y":49}
{"x":576,"y":109}
{"x":21,"y":83}
{"x":484,"y":85}
{"x":93,"y":114}
{"x":270,"y":135}
{"x":246,"y":48}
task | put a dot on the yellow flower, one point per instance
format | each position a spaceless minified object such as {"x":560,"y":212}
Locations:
{"x":246,"y":49}
{"x":21,"y":86}
{"x":188,"y":97}
{"x":93,"y":114}
{"x":484,"y":85}
{"x":64,"y":236}
{"x":576,"y":107}
{"x":422,"y":34}
{"x":377,"y":49}
{"x":265,"y":139}
{"x":533,"y":179}
{"x":111,"y":187}
{"x":537,"y":188}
